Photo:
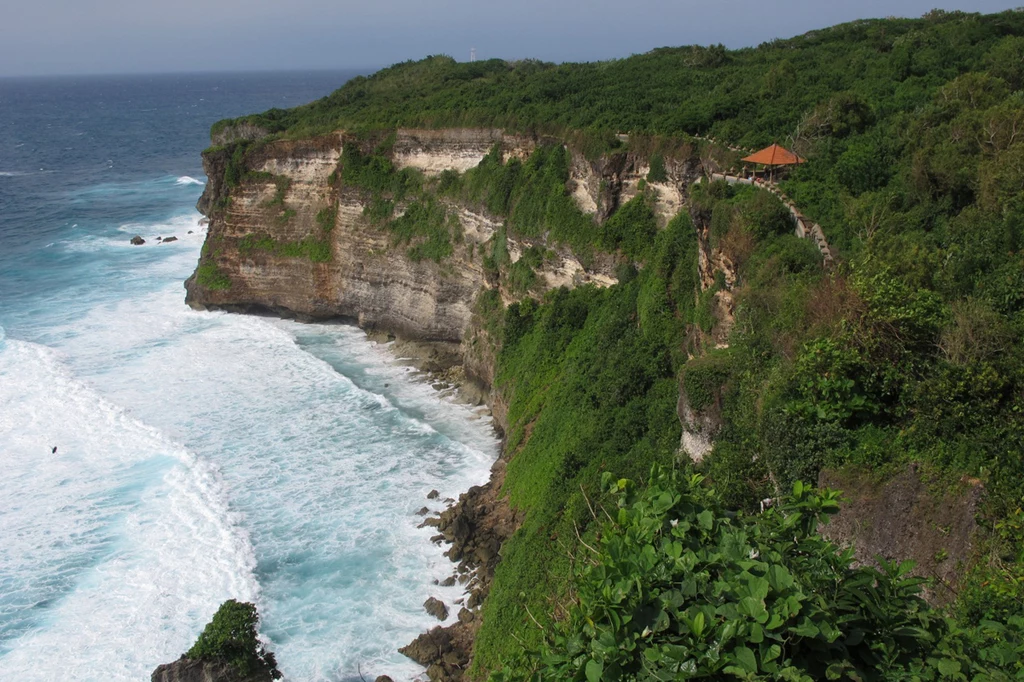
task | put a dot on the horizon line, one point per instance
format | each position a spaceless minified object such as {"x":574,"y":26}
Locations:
{"x":204,"y":72}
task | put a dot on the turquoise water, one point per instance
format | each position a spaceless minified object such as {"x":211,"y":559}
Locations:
{"x":200,"y":456}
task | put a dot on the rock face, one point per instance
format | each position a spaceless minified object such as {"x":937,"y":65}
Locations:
{"x":699,"y":426}
{"x":188,"y":670}
{"x":902,"y":518}
{"x":436,"y":608}
{"x":367,"y":279}
{"x":137,"y":240}
{"x":700,"y":422}
{"x":443,"y":651}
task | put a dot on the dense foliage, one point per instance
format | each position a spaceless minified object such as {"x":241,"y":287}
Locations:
{"x":231,"y":636}
{"x":749,"y":96}
{"x":909,"y":349}
{"x":604,"y":362}
{"x":682,"y":588}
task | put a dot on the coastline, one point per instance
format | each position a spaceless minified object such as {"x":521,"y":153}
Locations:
{"x":475,"y":526}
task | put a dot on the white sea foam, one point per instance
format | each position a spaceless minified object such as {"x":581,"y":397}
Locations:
{"x":187,"y":180}
{"x":118,"y":546}
{"x":178,"y":226}
{"x":308,"y":437}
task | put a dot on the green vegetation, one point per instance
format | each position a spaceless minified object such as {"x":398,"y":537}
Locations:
{"x":630,"y":229}
{"x":211,"y":277}
{"x":580,"y":358}
{"x":375,"y":173}
{"x":231,"y":636}
{"x":316,"y":250}
{"x":429,"y":220}
{"x":326,"y":217}
{"x":657,"y":172}
{"x":683,"y":588}
{"x":425,"y":224}
{"x":750,"y":97}
{"x":910,"y":348}
{"x":530,"y":195}
{"x":282,"y":183}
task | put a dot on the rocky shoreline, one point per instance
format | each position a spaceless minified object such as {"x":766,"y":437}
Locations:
{"x":475,"y":527}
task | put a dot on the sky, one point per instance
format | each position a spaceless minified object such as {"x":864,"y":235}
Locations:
{"x":44,"y":37}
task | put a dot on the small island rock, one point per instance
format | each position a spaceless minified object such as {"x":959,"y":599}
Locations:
{"x":189,"y":670}
{"x":137,"y":240}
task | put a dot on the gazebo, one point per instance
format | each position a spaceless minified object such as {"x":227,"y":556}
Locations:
{"x":774,"y":156}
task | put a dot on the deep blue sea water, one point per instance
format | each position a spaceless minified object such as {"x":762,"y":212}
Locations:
{"x":200,"y":456}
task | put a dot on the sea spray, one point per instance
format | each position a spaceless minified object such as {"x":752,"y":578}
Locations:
{"x":200,"y":456}
{"x":108,"y":523}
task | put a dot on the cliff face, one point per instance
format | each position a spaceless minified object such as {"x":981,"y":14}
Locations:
{"x":364,"y":279}
{"x":286,"y":196}
{"x":286,"y":237}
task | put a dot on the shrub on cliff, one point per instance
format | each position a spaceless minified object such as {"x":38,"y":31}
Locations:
{"x":231,"y":636}
{"x":682,"y":588}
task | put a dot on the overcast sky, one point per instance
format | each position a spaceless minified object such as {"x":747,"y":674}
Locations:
{"x":140,"y":36}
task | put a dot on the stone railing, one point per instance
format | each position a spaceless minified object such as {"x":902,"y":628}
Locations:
{"x":805,"y":227}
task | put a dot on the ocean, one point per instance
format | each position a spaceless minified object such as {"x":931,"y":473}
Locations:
{"x":200,"y":456}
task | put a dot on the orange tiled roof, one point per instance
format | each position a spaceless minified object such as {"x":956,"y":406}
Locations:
{"x":774,"y":156}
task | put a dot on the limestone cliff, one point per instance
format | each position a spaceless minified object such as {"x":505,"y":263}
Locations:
{"x":287,"y":192}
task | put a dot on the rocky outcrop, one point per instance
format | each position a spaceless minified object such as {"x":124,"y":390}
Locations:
{"x":476,"y":528}
{"x":366,"y":279}
{"x":286,"y":194}
{"x":700,"y":424}
{"x":436,"y":608}
{"x":189,"y":670}
{"x":237,"y":131}
{"x":459,"y":149}
{"x":444,"y":652}
{"x":600,"y":186}
{"x":907,"y":517}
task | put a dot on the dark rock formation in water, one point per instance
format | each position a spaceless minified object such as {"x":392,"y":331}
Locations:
{"x":188,"y":670}
{"x":436,"y":608}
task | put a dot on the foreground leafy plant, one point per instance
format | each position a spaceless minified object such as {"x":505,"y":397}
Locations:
{"x":682,"y":588}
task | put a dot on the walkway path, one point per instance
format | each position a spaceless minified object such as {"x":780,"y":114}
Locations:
{"x":805,"y":227}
